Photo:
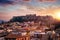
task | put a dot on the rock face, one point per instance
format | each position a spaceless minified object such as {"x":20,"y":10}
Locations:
{"x":31,"y":18}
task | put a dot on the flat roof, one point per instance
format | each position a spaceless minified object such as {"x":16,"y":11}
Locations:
{"x":15,"y":36}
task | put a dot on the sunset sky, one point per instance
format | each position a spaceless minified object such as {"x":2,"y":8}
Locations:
{"x":10,"y":8}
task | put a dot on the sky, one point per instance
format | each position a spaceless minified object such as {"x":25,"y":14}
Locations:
{"x":10,"y":8}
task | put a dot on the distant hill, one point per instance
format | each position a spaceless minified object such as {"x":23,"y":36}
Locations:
{"x":32,"y":18}
{"x":2,"y":21}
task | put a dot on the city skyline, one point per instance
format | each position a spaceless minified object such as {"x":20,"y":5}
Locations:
{"x":10,"y":8}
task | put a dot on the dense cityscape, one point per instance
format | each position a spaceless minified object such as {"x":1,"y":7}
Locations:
{"x":29,"y":19}
{"x":30,"y":27}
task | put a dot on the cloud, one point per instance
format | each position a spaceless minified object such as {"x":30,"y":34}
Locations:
{"x":13,"y":2}
{"x":22,"y":8}
{"x":6,"y":2}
